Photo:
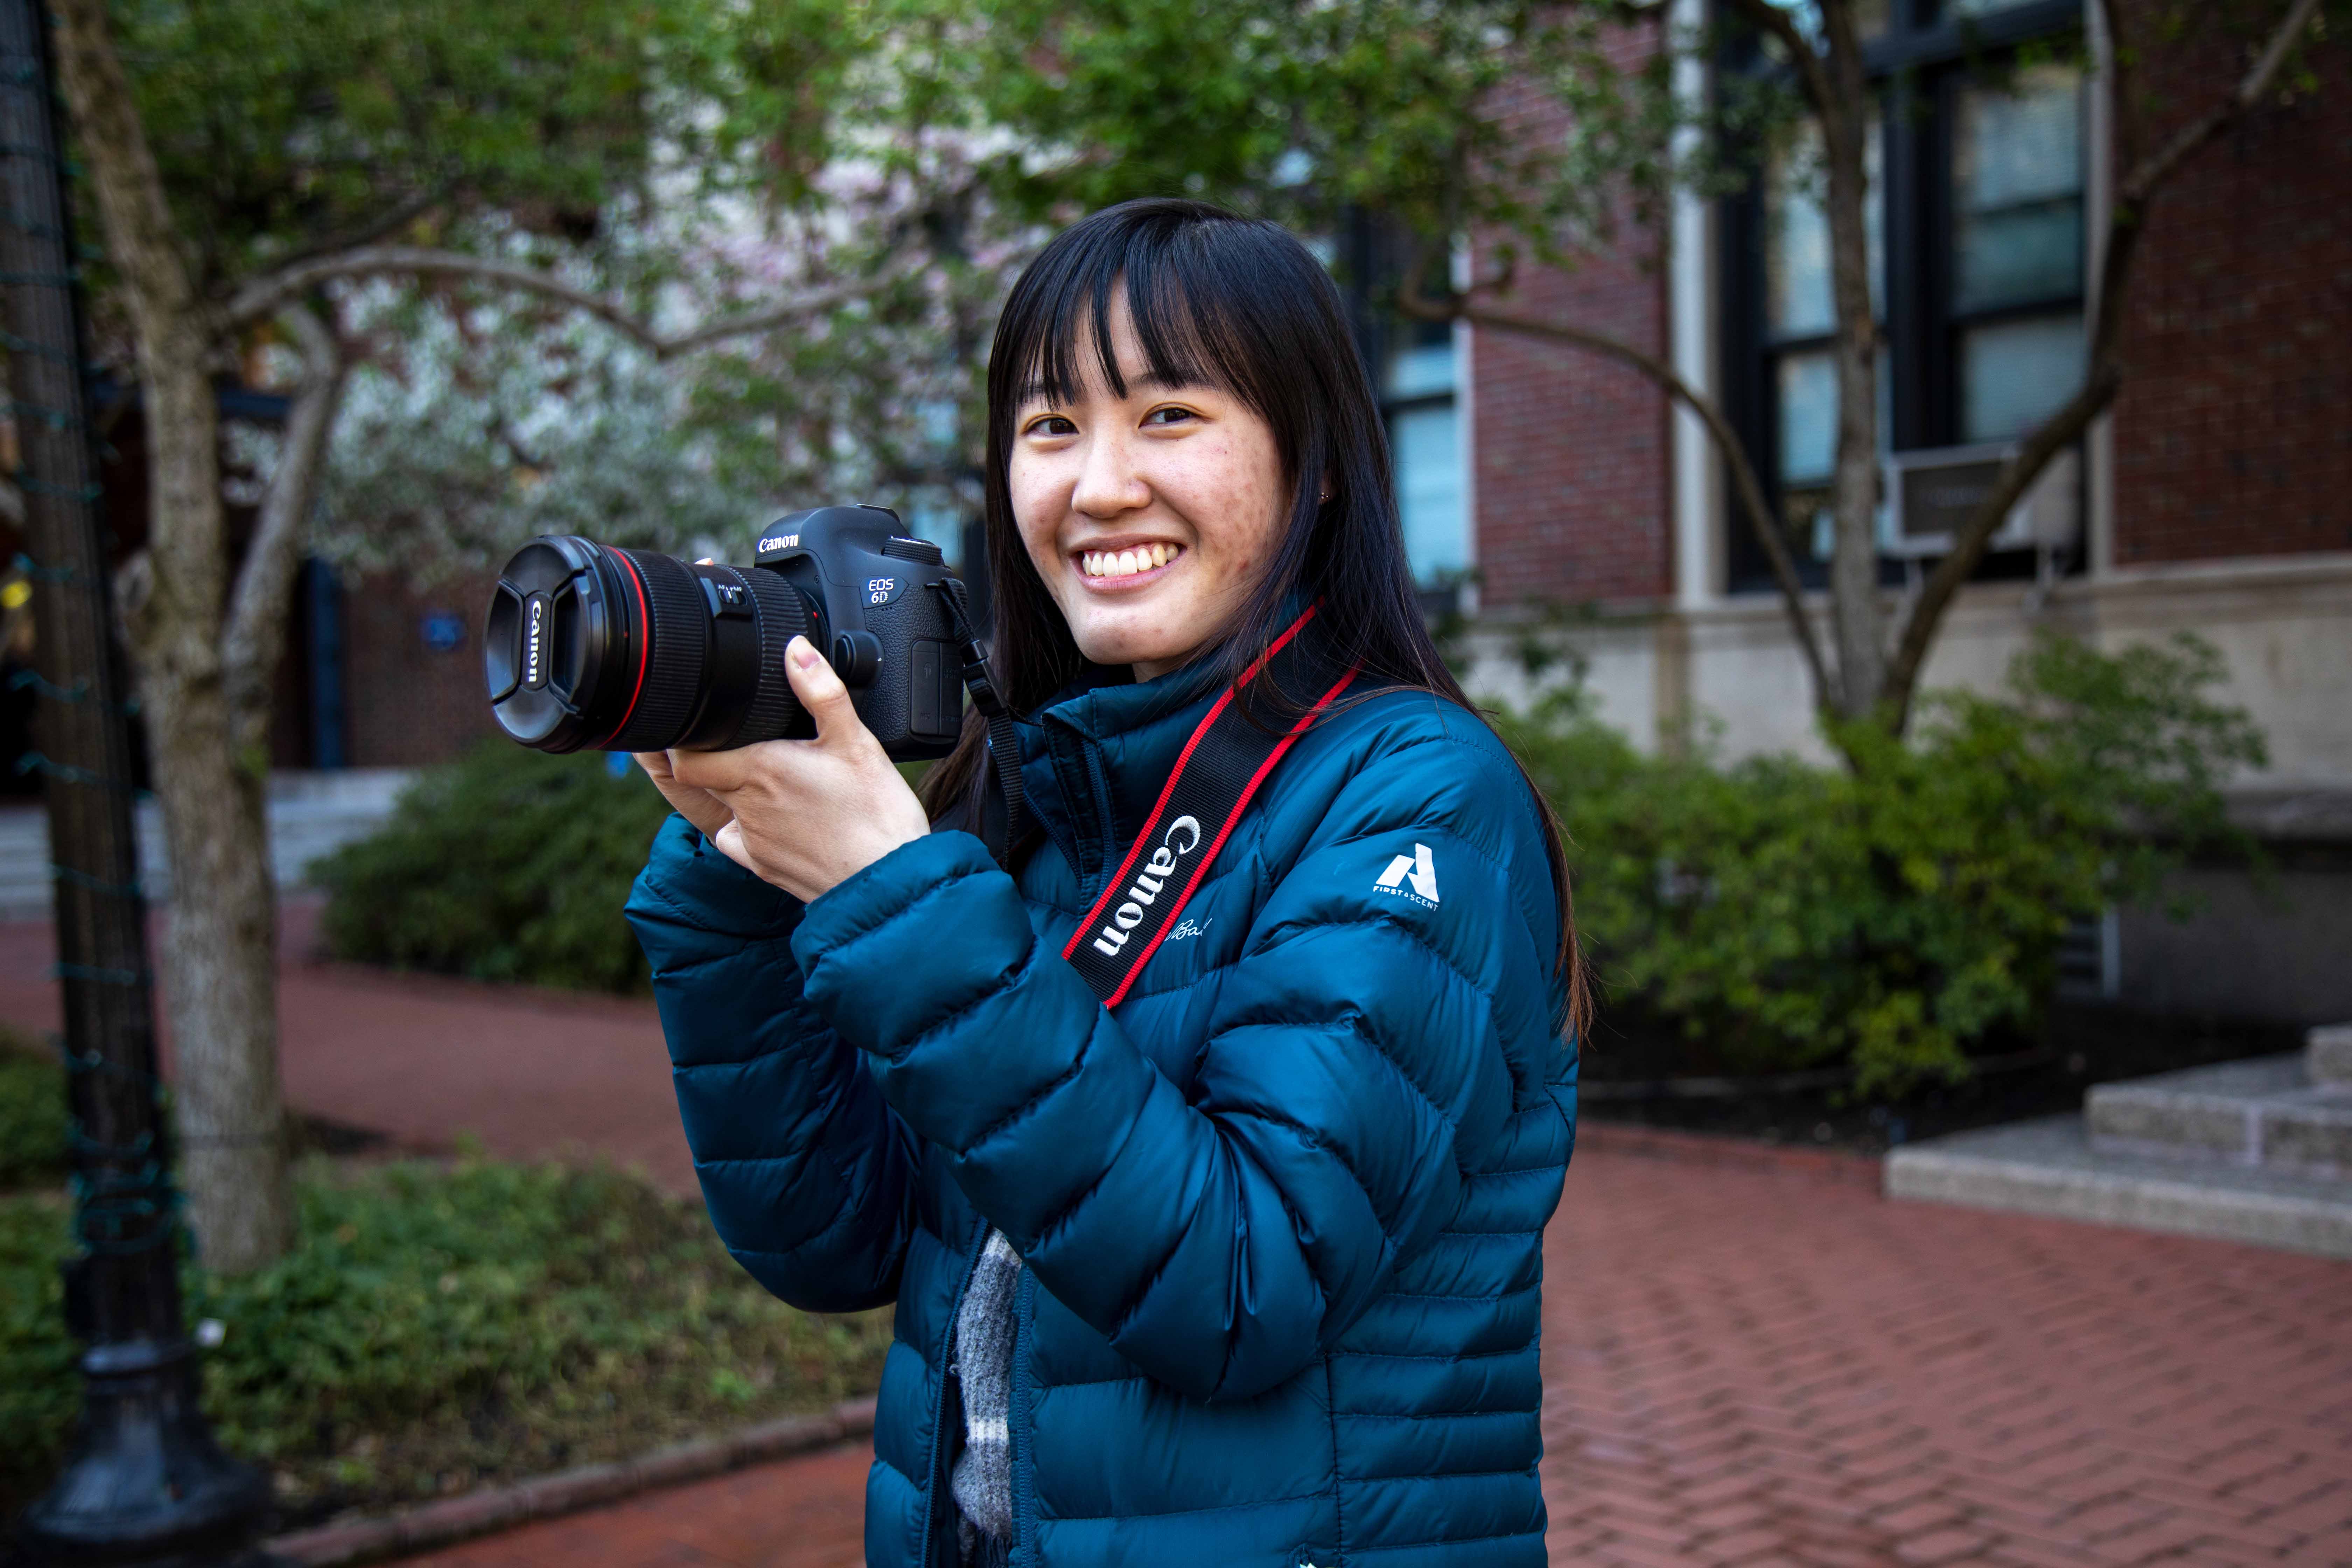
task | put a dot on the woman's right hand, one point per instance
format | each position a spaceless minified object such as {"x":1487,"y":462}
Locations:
{"x":700,"y":806}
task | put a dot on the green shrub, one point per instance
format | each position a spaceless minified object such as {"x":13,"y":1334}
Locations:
{"x":1894,"y":912}
{"x":440,"y":1325}
{"x":508,"y":864}
{"x":32,"y":1114}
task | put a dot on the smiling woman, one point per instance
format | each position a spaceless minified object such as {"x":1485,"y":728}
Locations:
{"x":1236,"y":1261}
{"x":1149,"y":506}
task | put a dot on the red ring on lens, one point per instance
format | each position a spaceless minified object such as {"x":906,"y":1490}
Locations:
{"x":645,"y":649}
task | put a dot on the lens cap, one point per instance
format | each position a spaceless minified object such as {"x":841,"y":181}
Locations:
{"x":549,"y":639}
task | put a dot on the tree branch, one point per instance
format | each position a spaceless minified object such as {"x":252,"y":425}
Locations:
{"x":1744,"y":481}
{"x":255,"y":637}
{"x":1778,"y":25}
{"x":391,"y":220}
{"x":267,"y":294}
{"x":2127,"y":219}
{"x":2122,"y":89}
{"x":2158,"y":166}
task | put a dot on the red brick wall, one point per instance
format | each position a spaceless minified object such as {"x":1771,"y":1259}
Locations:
{"x":406,"y":703}
{"x":2233,"y":430}
{"x":1573,"y":462}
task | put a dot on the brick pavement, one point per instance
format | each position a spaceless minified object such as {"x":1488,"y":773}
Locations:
{"x":1754,"y":1368}
{"x":528,"y":1072}
{"x":1745,"y":1362}
{"x":1764,"y":1367}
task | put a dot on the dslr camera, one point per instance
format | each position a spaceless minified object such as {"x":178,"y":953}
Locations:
{"x":589,"y":646}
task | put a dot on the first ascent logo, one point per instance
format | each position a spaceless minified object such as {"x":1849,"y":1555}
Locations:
{"x":1416,"y":868}
{"x":1145,"y":890}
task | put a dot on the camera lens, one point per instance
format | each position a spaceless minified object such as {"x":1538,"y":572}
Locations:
{"x":592,"y":647}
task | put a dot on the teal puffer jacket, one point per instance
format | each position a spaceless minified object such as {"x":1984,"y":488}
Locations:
{"x":1282,"y":1209}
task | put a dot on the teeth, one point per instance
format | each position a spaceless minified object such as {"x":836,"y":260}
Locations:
{"x":1127,"y":562}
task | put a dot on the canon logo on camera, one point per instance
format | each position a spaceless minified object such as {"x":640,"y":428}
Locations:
{"x":534,"y":641}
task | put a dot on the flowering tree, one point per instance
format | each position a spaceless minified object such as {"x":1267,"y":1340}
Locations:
{"x":255,"y":165}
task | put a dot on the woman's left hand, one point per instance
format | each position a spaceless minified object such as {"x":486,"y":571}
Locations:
{"x":809,"y":813}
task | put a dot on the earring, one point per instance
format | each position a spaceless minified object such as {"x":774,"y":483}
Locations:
{"x":1324,"y":496}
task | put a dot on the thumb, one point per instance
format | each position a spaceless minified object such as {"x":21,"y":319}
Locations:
{"x":729,"y":841}
{"x":820,"y":690}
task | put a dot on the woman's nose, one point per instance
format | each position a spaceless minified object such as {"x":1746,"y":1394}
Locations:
{"x":1109,"y":483}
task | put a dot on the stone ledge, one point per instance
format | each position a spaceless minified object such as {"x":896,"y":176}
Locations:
{"x":2049,"y":1167}
{"x":452,"y":1520}
{"x":2327,"y":1054}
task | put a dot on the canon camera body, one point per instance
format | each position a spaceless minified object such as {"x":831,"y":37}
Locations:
{"x":589,"y":646}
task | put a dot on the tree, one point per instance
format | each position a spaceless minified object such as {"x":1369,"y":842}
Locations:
{"x":264,"y":155}
{"x":1392,"y":106}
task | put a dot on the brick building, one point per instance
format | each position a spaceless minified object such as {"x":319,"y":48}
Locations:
{"x":2216,"y":497}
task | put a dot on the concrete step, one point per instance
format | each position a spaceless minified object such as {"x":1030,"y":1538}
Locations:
{"x":2266,"y":1112}
{"x":310,"y":815}
{"x":2052,"y":1168}
{"x":2327,"y":1054}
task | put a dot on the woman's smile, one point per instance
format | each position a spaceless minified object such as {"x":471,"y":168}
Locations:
{"x":1125,"y":566}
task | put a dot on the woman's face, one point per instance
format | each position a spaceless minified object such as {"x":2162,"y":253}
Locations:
{"x":1149,"y":516}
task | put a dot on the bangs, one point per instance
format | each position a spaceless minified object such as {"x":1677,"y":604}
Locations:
{"x":1188,"y":304}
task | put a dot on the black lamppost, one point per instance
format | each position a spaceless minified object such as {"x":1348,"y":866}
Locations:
{"x":146,"y":1483}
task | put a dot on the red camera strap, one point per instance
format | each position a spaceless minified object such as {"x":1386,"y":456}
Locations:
{"x":1221,"y":767}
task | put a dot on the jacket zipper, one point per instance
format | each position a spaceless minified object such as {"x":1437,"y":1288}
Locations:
{"x":931,"y":1478}
{"x":1024,"y":1476}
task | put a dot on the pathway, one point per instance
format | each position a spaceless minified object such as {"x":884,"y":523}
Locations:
{"x":528,"y":1072}
{"x":1749,"y":1367}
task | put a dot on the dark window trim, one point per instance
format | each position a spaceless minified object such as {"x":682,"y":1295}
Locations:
{"x":1918,"y":65}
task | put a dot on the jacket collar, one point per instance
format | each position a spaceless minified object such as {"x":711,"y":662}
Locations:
{"x":1093,"y":759}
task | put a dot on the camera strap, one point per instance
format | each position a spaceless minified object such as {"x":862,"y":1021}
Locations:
{"x":999,"y":833}
{"x":1229,"y":754}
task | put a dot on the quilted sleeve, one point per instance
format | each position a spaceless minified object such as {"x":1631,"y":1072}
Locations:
{"x":1355,"y":1065}
{"x":808,"y":1174}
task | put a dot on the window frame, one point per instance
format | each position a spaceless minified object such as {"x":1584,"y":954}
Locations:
{"x":1919,"y":67}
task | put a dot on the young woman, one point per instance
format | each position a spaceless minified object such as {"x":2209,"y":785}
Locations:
{"x":1245,"y":1268}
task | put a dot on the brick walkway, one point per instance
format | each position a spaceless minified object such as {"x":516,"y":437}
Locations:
{"x":1743,"y":1366}
{"x":1751,"y":1367}
{"x":528,"y":1072}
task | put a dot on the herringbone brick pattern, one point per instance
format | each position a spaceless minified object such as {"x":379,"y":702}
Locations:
{"x":1749,"y":1368}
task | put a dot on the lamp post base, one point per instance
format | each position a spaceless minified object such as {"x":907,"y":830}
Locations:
{"x":147,"y":1485}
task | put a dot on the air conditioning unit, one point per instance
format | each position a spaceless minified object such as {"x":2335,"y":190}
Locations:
{"x":1931,"y":493}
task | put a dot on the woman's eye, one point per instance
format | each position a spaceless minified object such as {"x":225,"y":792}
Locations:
{"x":1169,"y":416}
{"x":1052,"y":424}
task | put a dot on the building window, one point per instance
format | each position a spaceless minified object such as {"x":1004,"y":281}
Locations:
{"x":1417,"y":396}
{"x":1976,"y":225}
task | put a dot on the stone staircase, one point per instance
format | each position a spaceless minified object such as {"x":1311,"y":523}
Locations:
{"x":2257,"y":1151}
{"x":310,"y":815}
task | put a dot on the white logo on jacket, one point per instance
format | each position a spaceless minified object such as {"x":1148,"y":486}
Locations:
{"x":1417,"y":868}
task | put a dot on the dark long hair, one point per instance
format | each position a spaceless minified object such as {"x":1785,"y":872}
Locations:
{"x":1238,"y":303}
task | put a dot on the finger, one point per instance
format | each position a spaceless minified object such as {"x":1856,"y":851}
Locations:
{"x":656,"y":764}
{"x":821,"y":692}
{"x":729,"y":842}
{"x":720,"y":771}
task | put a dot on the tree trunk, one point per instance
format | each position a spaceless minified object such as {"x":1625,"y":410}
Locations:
{"x":1855,"y":617}
{"x":219,"y":944}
